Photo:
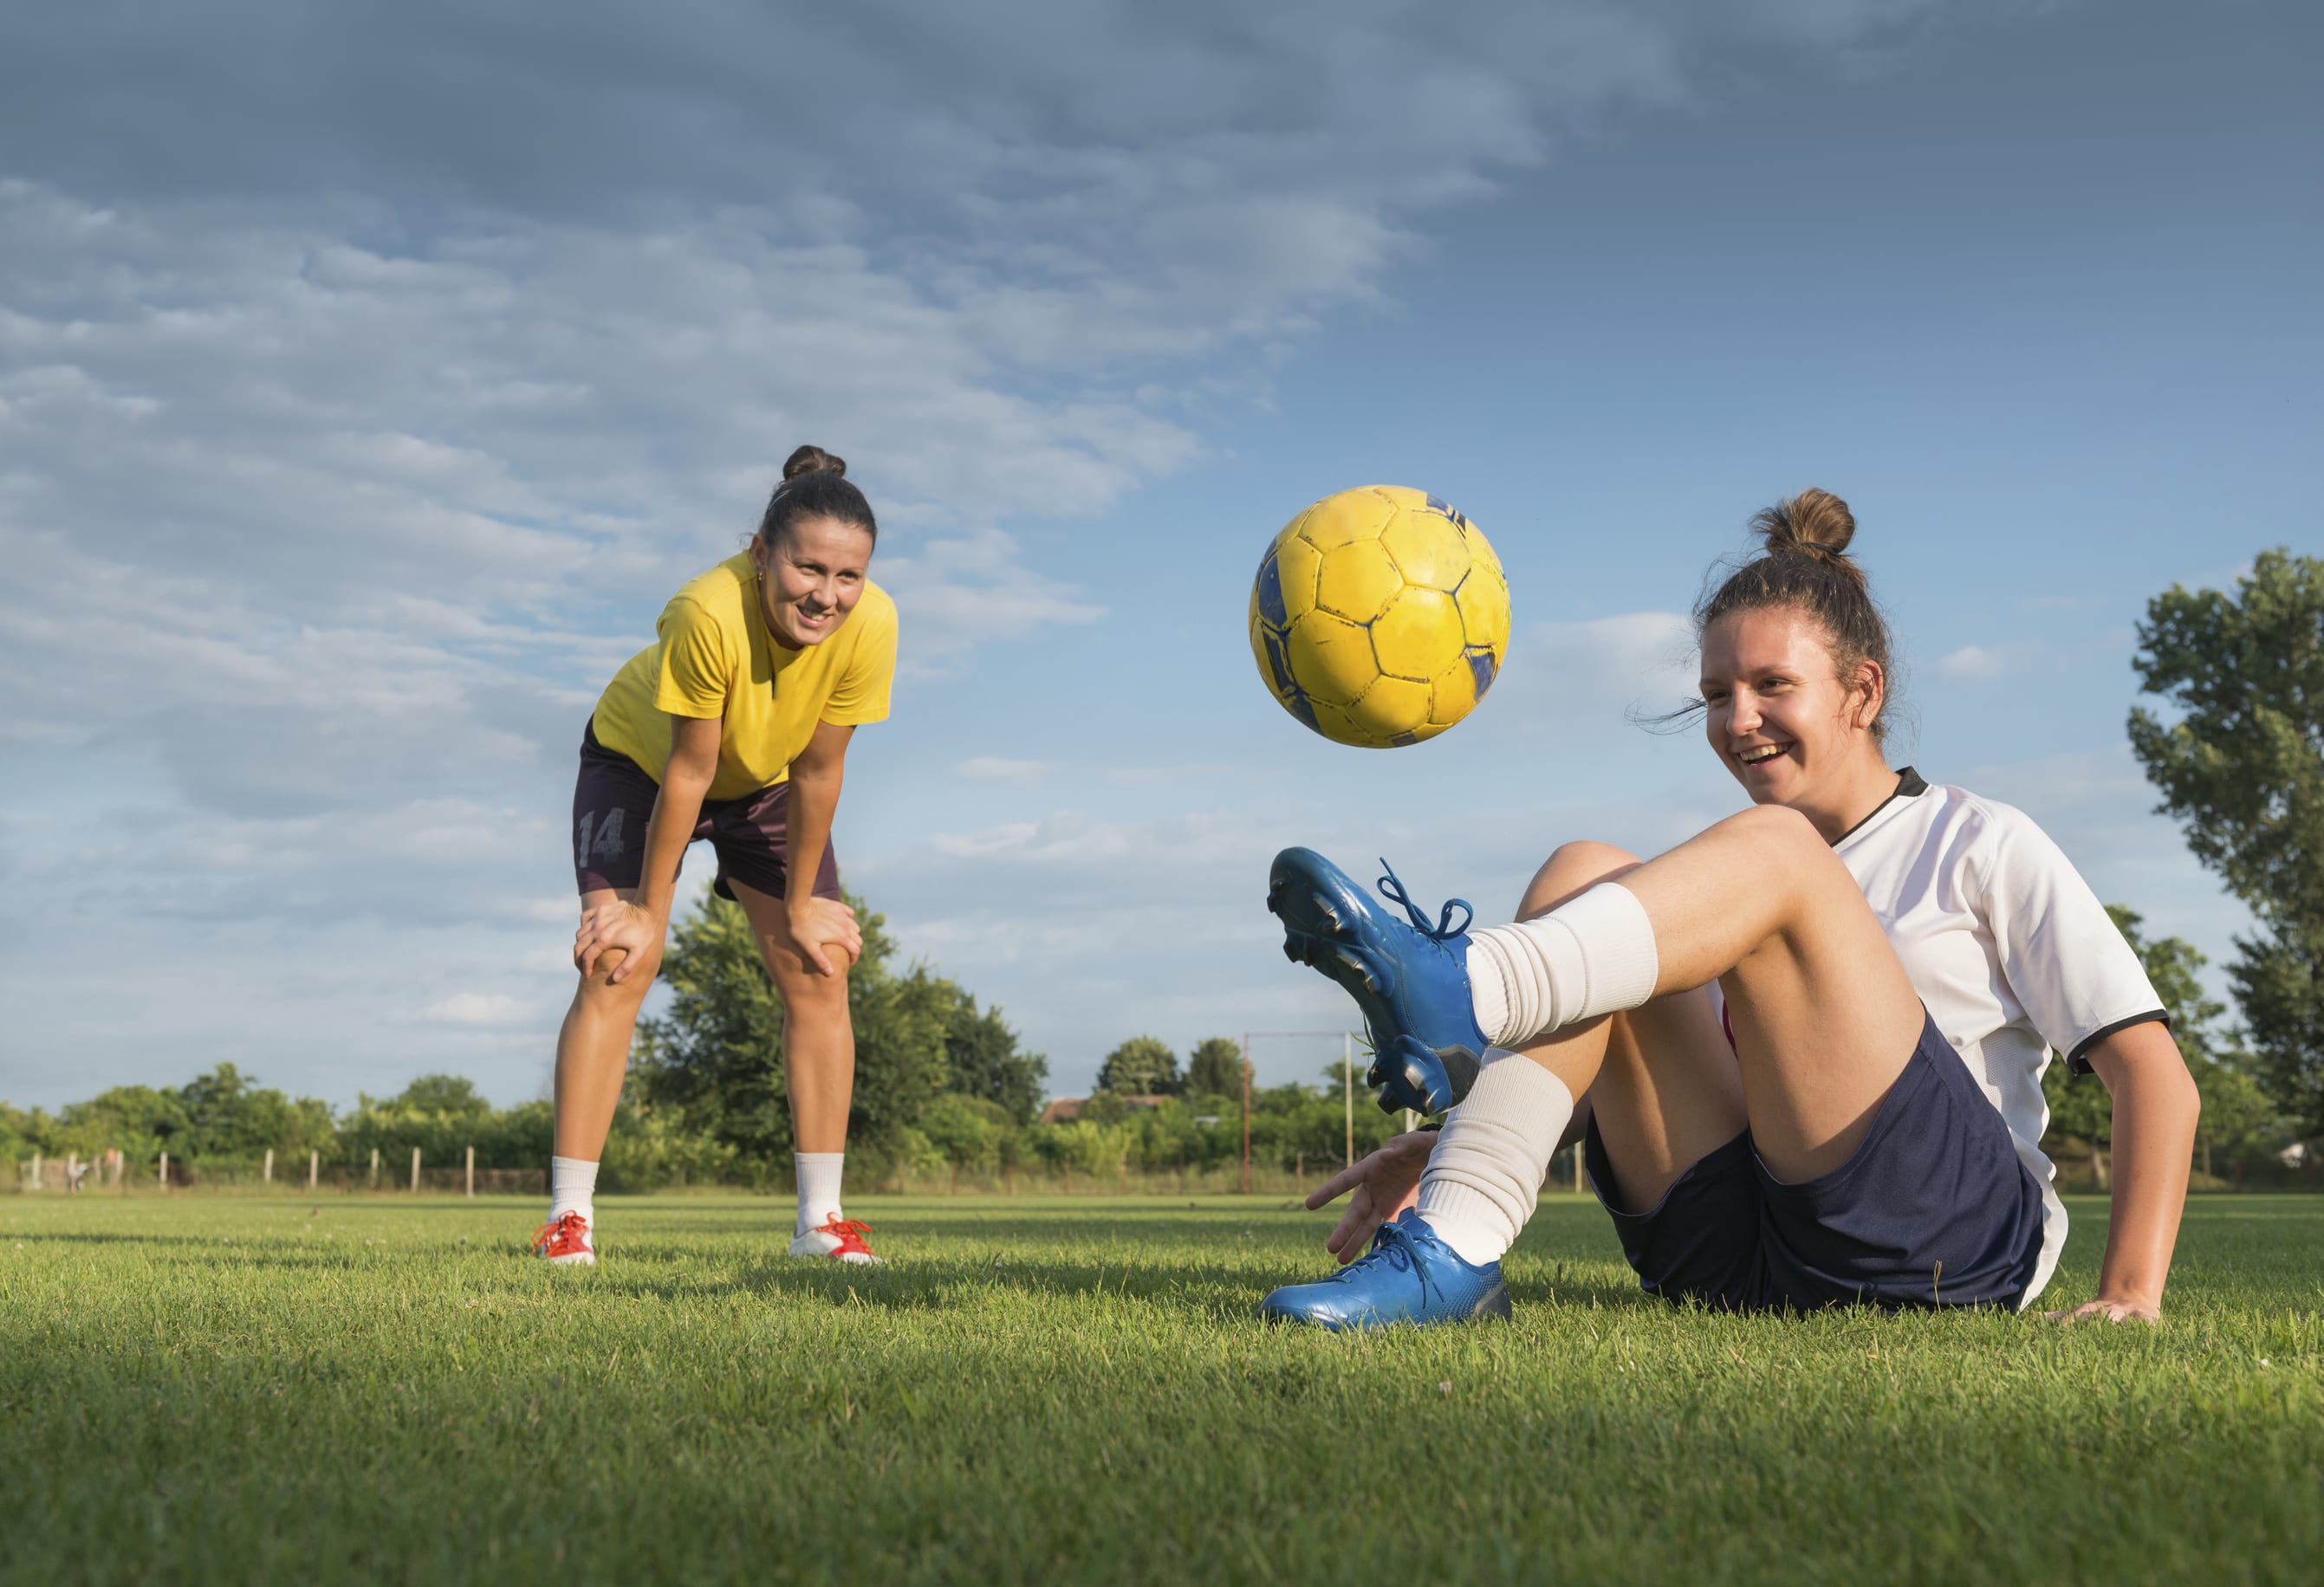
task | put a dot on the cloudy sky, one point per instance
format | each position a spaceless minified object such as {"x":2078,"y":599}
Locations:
{"x":370,"y":375}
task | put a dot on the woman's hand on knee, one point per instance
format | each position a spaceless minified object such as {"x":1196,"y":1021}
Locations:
{"x":622,"y":936}
{"x":1385,"y":1184}
{"x":824,"y":935}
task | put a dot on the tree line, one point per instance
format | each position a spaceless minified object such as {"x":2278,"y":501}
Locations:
{"x":941,"y":1083}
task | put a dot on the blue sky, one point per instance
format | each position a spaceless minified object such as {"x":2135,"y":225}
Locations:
{"x":368,"y":378}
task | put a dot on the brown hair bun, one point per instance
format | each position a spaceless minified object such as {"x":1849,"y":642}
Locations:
{"x":1812,"y":520}
{"x":813,"y":460}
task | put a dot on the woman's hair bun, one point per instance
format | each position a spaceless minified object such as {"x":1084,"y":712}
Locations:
{"x":814,"y":460}
{"x":1812,"y":520}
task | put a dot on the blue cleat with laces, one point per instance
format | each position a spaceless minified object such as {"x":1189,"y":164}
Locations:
{"x":1409,"y":1276}
{"x":1411,"y":981}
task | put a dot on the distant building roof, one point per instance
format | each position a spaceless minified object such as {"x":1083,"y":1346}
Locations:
{"x":1066,"y":1110}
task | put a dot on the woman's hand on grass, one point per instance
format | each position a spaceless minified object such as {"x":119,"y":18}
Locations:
{"x":632,"y":929}
{"x":2112,"y":1311}
{"x":821,"y":928}
{"x":1385,"y":1184}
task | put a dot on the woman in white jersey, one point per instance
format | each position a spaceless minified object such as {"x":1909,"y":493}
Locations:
{"x":1810,"y":1038}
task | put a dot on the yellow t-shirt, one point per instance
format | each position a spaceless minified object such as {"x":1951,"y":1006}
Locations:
{"x":715,"y":658}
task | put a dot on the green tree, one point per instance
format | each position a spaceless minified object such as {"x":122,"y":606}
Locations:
{"x":982,"y":1059}
{"x":970,"y":1132}
{"x":1214,"y":1068}
{"x":2233,"y":1110}
{"x":1141,"y":1067}
{"x":715,"y":1055}
{"x":2243,"y":771}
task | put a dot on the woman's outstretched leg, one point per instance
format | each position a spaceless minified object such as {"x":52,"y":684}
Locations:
{"x":1823,"y":1016}
{"x":1600,"y":993}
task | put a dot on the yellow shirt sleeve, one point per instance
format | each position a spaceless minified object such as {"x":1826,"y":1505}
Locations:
{"x":861,"y":695}
{"x":696,"y":667}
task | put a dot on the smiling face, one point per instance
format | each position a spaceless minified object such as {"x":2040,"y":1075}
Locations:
{"x":810,"y":577}
{"x":1788,"y":729}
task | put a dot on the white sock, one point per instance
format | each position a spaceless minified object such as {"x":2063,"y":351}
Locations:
{"x":1589,"y":955}
{"x":572,"y":1185}
{"x":1485,"y":1175}
{"x":818,"y":1188}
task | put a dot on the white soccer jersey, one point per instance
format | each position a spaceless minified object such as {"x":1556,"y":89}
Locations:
{"x":2007,"y":946}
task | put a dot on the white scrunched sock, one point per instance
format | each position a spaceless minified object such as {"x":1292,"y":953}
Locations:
{"x":1589,"y":955}
{"x":572,"y":1185}
{"x":818,"y":1187}
{"x":1484,"y":1178}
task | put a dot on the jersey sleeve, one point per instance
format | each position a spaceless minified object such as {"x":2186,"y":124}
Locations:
{"x":861,"y":692}
{"x":696,"y":665}
{"x":2066,"y":962}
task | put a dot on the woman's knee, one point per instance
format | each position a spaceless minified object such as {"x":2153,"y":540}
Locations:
{"x":600,"y":990}
{"x":1574,"y":869}
{"x":805,"y":992}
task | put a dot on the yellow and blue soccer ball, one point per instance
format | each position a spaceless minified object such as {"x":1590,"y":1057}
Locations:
{"x":1379,"y":617}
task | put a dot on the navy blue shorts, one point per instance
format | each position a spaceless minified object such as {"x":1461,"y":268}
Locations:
{"x":1934,"y":1209}
{"x":613,"y":798}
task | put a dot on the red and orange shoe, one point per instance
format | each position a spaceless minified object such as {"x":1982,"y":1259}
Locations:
{"x":565,"y":1240}
{"x":843,"y":1240}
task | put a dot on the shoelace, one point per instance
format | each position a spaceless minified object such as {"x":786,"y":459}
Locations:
{"x":1393,"y":889}
{"x":559,"y":1234}
{"x":850,"y":1233}
{"x":1397,"y":1248}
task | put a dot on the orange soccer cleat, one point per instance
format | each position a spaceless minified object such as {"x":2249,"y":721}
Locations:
{"x":841,"y":1240}
{"x":565,"y":1240}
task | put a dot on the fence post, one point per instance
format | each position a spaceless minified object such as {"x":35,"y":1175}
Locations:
{"x":1246,"y":1114}
{"x":165,"y":1170}
{"x":314,"y":1169}
{"x":266,"y":1176}
{"x":472,"y":1173}
{"x":1578,"y":1185}
{"x":36,"y":1170}
{"x":375,"y":1168}
{"x":415,"y":1169}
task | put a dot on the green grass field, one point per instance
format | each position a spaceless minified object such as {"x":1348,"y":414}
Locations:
{"x":232,"y":1390}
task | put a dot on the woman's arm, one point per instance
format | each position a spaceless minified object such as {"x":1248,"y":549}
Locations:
{"x":816,"y":776}
{"x":2154,"y":1109}
{"x":637,"y":928}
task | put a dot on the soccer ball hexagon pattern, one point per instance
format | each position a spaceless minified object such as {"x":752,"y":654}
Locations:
{"x":1379,"y":617}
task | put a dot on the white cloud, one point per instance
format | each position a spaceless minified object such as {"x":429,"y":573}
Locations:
{"x":1986,"y":664}
{"x":1561,"y":674}
{"x":482,"y":1008}
{"x":993,"y":768}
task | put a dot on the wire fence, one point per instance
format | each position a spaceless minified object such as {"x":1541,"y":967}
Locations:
{"x":116,"y":1175}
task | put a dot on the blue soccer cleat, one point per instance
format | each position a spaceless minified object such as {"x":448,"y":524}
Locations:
{"x":1410,"y":1276}
{"x":1411,"y":981}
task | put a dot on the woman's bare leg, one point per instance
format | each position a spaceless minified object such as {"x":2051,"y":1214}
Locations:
{"x":818,"y":1033}
{"x":1824,"y":1016}
{"x":1656,"y":1118}
{"x":593,"y":1047}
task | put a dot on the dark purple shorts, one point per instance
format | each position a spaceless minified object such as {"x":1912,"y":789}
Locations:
{"x":1934,"y":1209}
{"x":613,"y":798}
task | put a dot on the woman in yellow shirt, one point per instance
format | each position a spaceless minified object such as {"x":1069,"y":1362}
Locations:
{"x":731,"y":726}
